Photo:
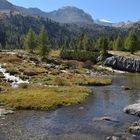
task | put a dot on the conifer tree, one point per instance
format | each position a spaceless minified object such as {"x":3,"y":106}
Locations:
{"x":118,"y":44}
{"x":103,"y":45}
{"x":84,"y":42}
{"x":30,"y":40}
{"x":131,"y":43}
{"x":43,"y":44}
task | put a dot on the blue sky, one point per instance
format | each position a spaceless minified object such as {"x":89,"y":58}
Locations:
{"x":112,"y":10}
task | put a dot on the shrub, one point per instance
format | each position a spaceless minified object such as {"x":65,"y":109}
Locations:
{"x":62,"y":81}
{"x":73,"y":64}
{"x":80,"y":55}
{"x":23,"y":85}
{"x":88,"y":64}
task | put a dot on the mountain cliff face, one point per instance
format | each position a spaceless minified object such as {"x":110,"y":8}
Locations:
{"x":70,"y":15}
{"x":63,"y":15}
{"x":66,"y":14}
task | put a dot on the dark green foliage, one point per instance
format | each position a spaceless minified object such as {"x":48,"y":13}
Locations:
{"x":118,"y":44}
{"x":102,"y":45}
{"x":80,"y":55}
{"x":30,"y":41}
{"x":84,"y":43}
{"x":81,"y":50}
{"x":43,"y":44}
{"x":13,"y":28}
{"x":132,"y":42}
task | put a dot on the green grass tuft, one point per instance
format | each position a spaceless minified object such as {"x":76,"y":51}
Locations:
{"x":43,"y":98}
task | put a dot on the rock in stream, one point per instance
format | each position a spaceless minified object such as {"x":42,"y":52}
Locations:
{"x":133,"y":109}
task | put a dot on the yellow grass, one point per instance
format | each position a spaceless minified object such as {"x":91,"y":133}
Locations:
{"x":136,"y":55}
{"x":54,"y":54}
{"x":43,"y":98}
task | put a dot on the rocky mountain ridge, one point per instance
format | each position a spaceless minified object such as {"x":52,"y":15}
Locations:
{"x":67,"y":14}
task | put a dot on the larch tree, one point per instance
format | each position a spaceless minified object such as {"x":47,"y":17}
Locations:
{"x":131,"y":42}
{"x":30,"y":40}
{"x":43,"y":44}
{"x":118,"y":44}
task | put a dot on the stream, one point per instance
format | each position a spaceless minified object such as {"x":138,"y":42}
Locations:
{"x":78,"y":122}
{"x":15,"y":81}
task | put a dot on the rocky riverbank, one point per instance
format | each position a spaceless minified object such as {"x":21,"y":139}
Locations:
{"x":123,"y":63}
{"x":4,"y":111}
{"x":134,"y":109}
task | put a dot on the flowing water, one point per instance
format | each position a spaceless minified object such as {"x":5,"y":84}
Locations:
{"x":78,"y":122}
{"x":15,"y":81}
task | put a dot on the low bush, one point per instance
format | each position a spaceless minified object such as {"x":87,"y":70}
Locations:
{"x":80,"y":55}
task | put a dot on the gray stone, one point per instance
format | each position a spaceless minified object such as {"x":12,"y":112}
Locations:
{"x":122,"y":63}
{"x":133,"y":109}
{"x":5,"y":112}
{"x":112,"y":138}
{"x":106,"y":118}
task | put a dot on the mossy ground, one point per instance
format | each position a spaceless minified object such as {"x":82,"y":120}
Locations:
{"x":52,"y":83}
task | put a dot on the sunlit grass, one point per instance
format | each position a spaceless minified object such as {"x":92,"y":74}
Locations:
{"x":43,"y":98}
{"x":59,"y":86}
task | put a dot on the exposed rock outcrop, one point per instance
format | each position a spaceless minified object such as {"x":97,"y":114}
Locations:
{"x":123,"y":137}
{"x":124,"y":64}
{"x":133,"y":109}
{"x":135,"y":128}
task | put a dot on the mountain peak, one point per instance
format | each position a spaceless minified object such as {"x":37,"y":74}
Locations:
{"x":5,"y":5}
{"x":70,"y":14}
{"x":68,"y":7}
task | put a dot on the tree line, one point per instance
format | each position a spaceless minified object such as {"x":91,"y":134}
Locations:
{"x":129,"y":43}
{"x":85,"y":49}
{"x":82,"y":48}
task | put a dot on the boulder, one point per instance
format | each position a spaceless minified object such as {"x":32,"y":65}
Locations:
{"x":5,"y":112}
{"x":126,"y":88}
{"x":133,"y":109}
{"x":106,"y":118}
{"x":122,"y":63}
{"x":134,"y":129}
{"x":113,"y":138}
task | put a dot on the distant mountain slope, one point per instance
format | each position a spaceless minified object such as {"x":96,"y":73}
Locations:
{"x":70,"y":15}
{"x":32,"y":11}
{"x":66,"y":14}
{"x":5,"y":5}
{"x":16,"y":25}
{"x":63,"y":15}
